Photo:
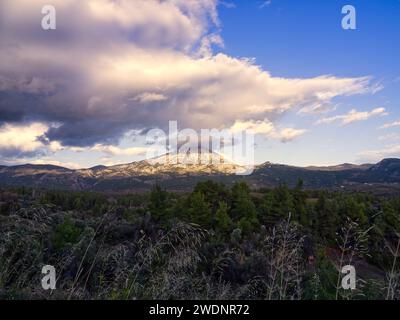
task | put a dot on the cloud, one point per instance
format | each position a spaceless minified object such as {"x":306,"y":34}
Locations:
{"x":21,"y":139}
{"x":379,"y":154}
{"x":265,"y":3}
{"x":47,"y":160}
{"x":391,"y":125}
{"x":113,"y":66}
{"x":318,"y":108}
{"x":354,"y":116}
{"x":117,"y":151}
{"x":390,"y":136}
{"x":150,"y":97}
{"x":290,"y":134}
{"x":226,"y":4}
{"x":43,"y":160}
{"x":24,"y":141}
{"x":267,"y":129}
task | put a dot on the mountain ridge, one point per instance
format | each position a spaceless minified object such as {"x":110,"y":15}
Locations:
{"x":143,"y":174}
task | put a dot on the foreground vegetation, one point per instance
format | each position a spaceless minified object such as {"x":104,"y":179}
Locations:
{"x":213,"y":243}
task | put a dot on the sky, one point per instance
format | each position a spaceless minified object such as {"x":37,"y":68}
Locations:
{"x":88,"y":92}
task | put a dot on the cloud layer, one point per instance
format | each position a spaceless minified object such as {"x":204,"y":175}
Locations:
{"x":354,"y":116}
{"x":114,"y":66}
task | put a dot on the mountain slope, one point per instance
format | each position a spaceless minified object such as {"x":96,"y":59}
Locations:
{"x":169,"y":164}
{"x":341,"y":167}
{"x":385,"y":171}
{"x":172,"y":172}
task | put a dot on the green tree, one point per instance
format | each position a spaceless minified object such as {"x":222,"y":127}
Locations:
{"x":276,"y":205}
{"x":198,"y":209}
{"x":325,"y":218}
{"x":213,"y":192}
{"x":300,"y":205}
{"x":354,"y":210}
{"x":223,"y":221}
{"x":158,"y":202}
{"x":66,"y":234}
{"x":243,"y":208}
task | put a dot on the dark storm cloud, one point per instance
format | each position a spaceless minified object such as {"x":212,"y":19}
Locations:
{"x":110,"y":67}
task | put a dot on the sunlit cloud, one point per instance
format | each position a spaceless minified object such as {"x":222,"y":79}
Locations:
{"x":354,"y":116}
{"x":268,"y":130}
{"x":379,"y":154}
{"x":391,"y":124}
{"x":21,"y":139}
{"x":135,"y":65}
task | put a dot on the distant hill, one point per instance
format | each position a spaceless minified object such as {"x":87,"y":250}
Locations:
{"x":385,"y":171}
{"x":341,"y":167}
{"x":172,"y":172}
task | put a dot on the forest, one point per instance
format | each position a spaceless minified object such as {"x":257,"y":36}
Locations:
{"x":215,"y":242}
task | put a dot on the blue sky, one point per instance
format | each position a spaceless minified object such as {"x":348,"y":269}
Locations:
{"x":86,"y":93}
{"x":305,"y":39}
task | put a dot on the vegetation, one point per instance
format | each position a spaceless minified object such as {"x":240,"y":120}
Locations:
{"x":216,"y":242}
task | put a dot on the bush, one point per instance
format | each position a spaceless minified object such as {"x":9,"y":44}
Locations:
{"x":66,"y":234}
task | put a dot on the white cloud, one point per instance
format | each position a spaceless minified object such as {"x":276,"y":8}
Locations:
{"x":110,"y":150}
{"x":47,"y":160}
{"x":147,"y":97}
{"x":267,"y":129}
{"x":290,"y":134}
{"x":43,"y":160}
{"x":379,"y":154}
{"x":390,"y":136}
{"x":227,"y":4}
{"x":391,"y":124}
{"x":24,"y":142}
{"x":318,"y":108}
{"x":354,"y":116}
{"x":265,"y":3}
{"x":156,"y":51}
{"x":113,"y":66}
{"x":23,"y":138}
{"x":117,"y":151}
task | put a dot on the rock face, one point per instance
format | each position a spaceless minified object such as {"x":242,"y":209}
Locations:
{"x":183,"y":171}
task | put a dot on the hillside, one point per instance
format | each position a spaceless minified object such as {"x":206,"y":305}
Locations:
{"x":183,"y":171}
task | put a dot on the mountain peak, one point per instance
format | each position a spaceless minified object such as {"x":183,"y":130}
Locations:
{"x":191,"y":157}
{"x":182,"y":163}
{"x":387,"y":164}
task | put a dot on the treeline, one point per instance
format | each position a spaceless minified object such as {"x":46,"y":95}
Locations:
{"x":214,"y":242}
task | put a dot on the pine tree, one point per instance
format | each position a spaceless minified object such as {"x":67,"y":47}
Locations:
{"x":299,"y":203}
{"x":326,"y":219}
{"x":198,"y":210}
{"x":243,"y":209}
{"x":223,"y":222}
{"x":276,"y":205}
{"x":158,"y":202}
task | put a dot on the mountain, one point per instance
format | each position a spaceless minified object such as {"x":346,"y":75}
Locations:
{"x":47,"y":176}
{"x":171,"y":171}
{"x":341,"y":167}
{"x":189,"y":163}
{"x":385,"y":171}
